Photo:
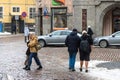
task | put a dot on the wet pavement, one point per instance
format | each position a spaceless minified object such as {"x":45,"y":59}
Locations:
{"x":54,"y":61}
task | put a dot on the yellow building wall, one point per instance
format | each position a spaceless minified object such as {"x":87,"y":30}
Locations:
{"x":24,"y":7}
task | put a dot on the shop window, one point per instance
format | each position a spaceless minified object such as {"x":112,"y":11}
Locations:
{"x":59,"y":18}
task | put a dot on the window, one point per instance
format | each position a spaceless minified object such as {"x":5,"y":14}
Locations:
{"x":59,"y":18}
{"x":65,"y":33}
{"x":55,"y":33}
{"x":1,"y":12}
{"x":32,"y":13}
{"x":16,"y":9}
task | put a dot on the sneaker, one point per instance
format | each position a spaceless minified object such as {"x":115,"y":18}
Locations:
{"x":86,"y":71}
{"x":39,"y":68}
{"x":81,"y":69}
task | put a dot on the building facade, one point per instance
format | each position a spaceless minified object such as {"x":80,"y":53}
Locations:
{"x":54,"y":15}
{"x":102,"y":15}
{"x":17,"y":12}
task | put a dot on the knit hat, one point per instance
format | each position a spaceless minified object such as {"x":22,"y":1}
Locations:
{"x":89,"y":26}
{"x":84,"y":31}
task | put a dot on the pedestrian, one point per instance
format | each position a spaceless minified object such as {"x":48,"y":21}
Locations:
{"x":72,"y":42}
{"x":27,"y":56}
{"x":90,"y":31}
{"x":26,"y":33}
{"x":85,"y":49}
{"x":33,"y":52}
{"x":13,"y":29}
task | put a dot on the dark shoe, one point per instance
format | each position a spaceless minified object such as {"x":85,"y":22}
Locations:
{"x":28,"y":68}
{"x":25,"y":67}
{"x":39,"y":68}
{"x":81,"y":69}
{"x":72,"y":70}
{"x":86,"y":71}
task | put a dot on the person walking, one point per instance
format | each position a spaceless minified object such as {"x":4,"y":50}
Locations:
{"x":72,"y":42}
{"x":13,"y":29}
{"x":26,"y":33}
{"x":27,"y":56}
{"x":85,"y":49}
{"x":90,"y":31}
{"x":33,"y":52}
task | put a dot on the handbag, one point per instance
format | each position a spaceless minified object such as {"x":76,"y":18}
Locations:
{"x":38,"y":46}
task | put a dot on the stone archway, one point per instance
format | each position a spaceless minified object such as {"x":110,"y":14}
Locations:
{"x":107,"y":23}
{"x":107,"y":19}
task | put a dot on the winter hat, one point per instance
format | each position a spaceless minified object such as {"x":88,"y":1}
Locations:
{"x":89,"y":26}
{"x":84,"y":31}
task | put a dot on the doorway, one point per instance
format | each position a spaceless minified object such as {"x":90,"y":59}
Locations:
{"x":116,"y":19}
{"x":19,"y":24}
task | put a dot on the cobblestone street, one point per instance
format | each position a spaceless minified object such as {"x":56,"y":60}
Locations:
{"x":54,"y":61}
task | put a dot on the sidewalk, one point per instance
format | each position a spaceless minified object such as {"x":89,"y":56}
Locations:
{"x":8,"y":34}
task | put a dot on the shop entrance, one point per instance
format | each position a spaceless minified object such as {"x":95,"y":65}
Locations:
{"x":17,"y":24}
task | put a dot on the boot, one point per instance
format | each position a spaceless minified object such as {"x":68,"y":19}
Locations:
{"x":25,"y":67}
{"x":28,"y":68}
{"x":39,"y":68}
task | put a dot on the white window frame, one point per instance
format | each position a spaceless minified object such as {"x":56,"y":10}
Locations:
{"x":16,"y":9}
{"x":32,"y":14}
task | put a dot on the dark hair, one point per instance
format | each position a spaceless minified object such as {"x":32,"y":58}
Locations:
{"x":75,"y":29}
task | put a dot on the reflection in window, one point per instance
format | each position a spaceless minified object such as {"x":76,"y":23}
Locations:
{"x":56,"y":33}
{"x":118,"y":34}
{"x":59,"y":18}
{"x":59,"y":21}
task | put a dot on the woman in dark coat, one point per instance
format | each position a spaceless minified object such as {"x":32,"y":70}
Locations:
{"x":89,"y":31}
{"x":85,"y":55}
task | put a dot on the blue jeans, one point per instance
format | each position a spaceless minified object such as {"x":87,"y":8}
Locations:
{"x":33,"y":55}
{"x":72,"y":59}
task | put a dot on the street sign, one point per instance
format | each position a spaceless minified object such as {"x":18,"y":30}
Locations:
{"x":16,"y":17}
{"x":24,"y":14}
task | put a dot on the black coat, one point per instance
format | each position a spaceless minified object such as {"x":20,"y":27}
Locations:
{"x":72,"y":42}
{"x":89,"y":39}
{"x":90,"y":32}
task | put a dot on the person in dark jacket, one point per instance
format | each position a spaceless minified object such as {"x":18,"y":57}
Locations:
{"x":89,"y":31}
{"x":27,"y":56}
{"x":85,"y":55}
{"x":72,"y":42}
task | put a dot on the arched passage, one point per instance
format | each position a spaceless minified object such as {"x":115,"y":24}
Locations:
{"x":111,"y":19}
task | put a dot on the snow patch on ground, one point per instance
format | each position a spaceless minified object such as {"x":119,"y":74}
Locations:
{"x":101,"y":73}
{"x":5,"y":33}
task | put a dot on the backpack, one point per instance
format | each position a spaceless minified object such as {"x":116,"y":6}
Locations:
{"x":84,"y":46}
